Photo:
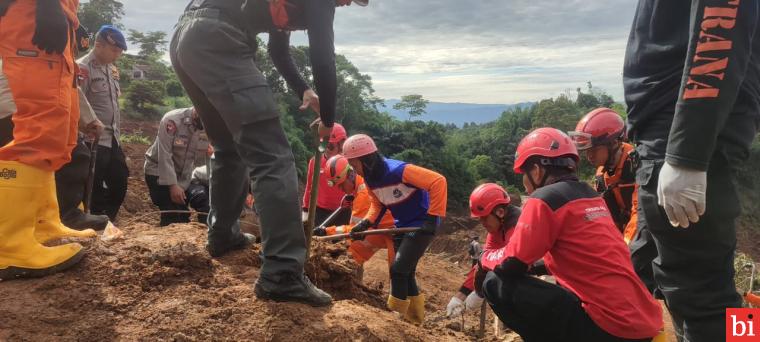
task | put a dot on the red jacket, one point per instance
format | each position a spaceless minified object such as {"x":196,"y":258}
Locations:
{"x":569,"y":225}
{"x":328,"y":197}
{"x":493,"y":241}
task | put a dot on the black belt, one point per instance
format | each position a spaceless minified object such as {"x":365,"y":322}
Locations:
{"x":229,"y":11}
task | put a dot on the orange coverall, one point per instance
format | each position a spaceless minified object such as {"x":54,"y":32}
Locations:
{"x":363,"y":250}
{"x":43,"y":88}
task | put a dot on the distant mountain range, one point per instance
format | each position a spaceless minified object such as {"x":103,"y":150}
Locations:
{"x":455,"y":113}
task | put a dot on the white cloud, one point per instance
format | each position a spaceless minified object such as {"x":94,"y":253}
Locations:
{"x":487,"y":51}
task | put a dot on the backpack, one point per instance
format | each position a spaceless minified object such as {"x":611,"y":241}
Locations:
{"x":289,"y":14}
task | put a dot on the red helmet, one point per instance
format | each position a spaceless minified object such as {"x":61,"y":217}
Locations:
{"x":601,"y":126}
{"x":338,"y":133}
{"x":485,"y":197}
{"x":336,"y":170}
{"x":552,"y":144}
{"x":358,"y":145}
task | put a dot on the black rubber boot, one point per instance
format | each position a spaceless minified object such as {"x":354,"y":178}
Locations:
{"x":76,"y":219}
{"x":290,"y":287}
{"x":216,"y":250}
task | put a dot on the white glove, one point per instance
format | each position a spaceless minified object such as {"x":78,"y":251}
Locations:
{"x":304,"y":216}
{"x":681,"y":191}
{"x":473,"y":301}
{"x":455,"y":307}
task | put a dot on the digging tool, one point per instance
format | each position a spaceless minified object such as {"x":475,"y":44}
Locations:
{"x":90,"y":176}
{"x":482,"y":328}
{"x":337,"y":212}
{"x":750,"y":297}
{"x":318,"y":149}
{"x":392,"y":231}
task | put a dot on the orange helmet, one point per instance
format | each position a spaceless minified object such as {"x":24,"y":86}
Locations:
{"x":601,"y":126}
{"x":485,"y":197}
{"x":337,"y":170}
{"x":338,"y":133}
{"x":552,"y":144}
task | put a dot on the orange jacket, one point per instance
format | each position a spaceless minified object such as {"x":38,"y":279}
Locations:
{"x":399,"y":197}
{"x":363,"y":250}
{"x":620,"y":192}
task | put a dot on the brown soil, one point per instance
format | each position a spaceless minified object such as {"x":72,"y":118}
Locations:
{"x":159,"y":284}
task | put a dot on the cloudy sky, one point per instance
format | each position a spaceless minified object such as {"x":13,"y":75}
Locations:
{"x":482,"y":51}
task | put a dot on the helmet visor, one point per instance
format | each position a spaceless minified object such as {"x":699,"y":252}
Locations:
{"x":582,"y":141}
{"x":339,"y":178}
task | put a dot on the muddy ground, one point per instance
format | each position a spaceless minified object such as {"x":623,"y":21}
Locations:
{"x":159,"y":284}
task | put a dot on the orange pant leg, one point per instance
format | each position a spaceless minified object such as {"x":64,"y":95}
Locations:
{"x":43,"y":90}
{"x":363,"y":250}
{"x":630,"y":228}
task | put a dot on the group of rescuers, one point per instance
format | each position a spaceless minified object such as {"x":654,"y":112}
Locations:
{"x":692,"y":86}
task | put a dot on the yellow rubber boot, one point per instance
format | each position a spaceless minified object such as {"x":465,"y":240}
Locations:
{"x":416,"y":312}
{"x":661,"y":337}
{"x":398,"y":305}
{"x":21,"y":255}
{"x":49,"y":226}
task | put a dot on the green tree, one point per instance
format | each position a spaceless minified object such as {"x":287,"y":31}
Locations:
{"x":411,"y":155}
{"x":560,"y":113}
{"x":152,"y":44}
{"x":482,"y":168}
{"x":146,"y":97}
{"x":413,"y":104}
{"x":96,"y":13}
{"x":174,"y":88}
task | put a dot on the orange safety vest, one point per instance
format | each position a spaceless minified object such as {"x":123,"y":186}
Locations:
{"x":619,"y":190}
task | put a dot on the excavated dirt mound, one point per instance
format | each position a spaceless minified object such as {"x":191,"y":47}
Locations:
{"x":160,"y":284}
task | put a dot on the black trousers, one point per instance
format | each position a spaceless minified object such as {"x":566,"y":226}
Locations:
{"x":540,"y":311}
{"x":692,"y":268}
{"x":71,"y":180}
{"x":161,"y":197}
{"x":197,"y":196}
{"x":110,"y":185}
{"x":322,"y":214}
{"x":409,"y":249}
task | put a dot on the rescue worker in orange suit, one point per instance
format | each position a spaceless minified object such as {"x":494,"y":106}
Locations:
{"x":691,"y":79}
{"x":598,"y":296}
{"x":38,"y":92}
{"x":600,"y":135}
{"x":417,"y":198}
{"x":99,"y":80}
{"x":491,"y":205}
{"x":329,"y":198}
{"x":339,"y":174}
{"x":212,"y":51}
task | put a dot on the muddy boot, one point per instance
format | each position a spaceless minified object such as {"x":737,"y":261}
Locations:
{"x":21,"y":255}
{"x":416,"y":311}
{"x":76,"y":219}
{"x":399,"y":306}
{"x":244,"y":240}
{"x":49,"y":226}
{"x":289,"y":287}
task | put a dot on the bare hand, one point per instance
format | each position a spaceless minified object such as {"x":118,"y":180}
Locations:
{"x":323,"y":131}
{"x":93,"y":130}
{"x":177,"y":194}
{"x":310,"y":100}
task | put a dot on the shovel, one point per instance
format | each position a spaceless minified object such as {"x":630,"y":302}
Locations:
{"x":309,"y":227}
{"x":90,"y":177}
{"x":392,"y":231}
